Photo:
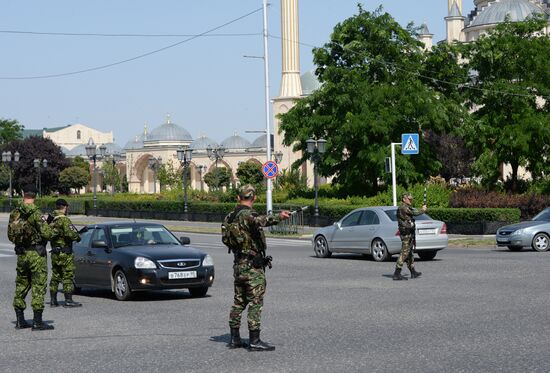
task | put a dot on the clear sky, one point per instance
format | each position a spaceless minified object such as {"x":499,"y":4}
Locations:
{"x":205,"y":84}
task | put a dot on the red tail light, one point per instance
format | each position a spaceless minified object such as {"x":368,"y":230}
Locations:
{"x":443,"y":229}
{"x":397,"y":233}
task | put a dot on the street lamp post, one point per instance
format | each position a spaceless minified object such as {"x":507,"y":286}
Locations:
{"x":277,"y":157}
{"x":316,"y":148}
{"x":38,"y":165}
{"x":185,"y":156}
{"x":154,"y":164}
{"x":6,"y":158}
{"x":114,"y":159}
{"x":201,"y":170}
{"x":91,"y":152}
{"x":214,"y":154}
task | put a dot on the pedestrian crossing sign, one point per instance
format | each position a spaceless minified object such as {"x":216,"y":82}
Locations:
{"x":409,"y":143}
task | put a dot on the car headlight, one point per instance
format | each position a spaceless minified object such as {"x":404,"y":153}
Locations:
{"x":207,"y":261}
{"x":144,"y":263}
{"x":518,"y":232}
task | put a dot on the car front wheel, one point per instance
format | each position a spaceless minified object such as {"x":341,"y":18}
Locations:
{"x":541,"y":242}
{"x":198,"y":292}
{"x":321,"y":247}
{"x":379,"y":250}
{"x":427,"y":255}
{"x":122,"y":289}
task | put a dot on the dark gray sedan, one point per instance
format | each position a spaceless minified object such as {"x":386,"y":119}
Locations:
{"x":534,"y":233}
{"x":373,"y":231}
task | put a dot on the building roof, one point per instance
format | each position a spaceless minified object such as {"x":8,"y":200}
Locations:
{"x":169,"y":132}
{"x":260,"y":142}
{"x":235,"y":142}
{"x":455,"y":11}
{"x":80,"y":150}
{"x":203,"y":142}
{"x":496,"y":12}
{"x":424,"y":31}
{"x":25,"y":133}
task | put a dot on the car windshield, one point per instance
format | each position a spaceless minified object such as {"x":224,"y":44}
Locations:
{"x":544,"y":215}
{"x":392,"y":214}
{"x":142,"y":235}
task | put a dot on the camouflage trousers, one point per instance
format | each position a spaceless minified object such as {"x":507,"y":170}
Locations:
{"x":406,"y":256}
{"x":32,"y":273}
{"x":63,"y":268}
{"x":249,"y":290}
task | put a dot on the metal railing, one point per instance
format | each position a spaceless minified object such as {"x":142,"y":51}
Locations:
{"x":292,"y":225}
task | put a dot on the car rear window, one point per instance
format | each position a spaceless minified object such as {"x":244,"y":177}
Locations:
{"x":392,"y":214}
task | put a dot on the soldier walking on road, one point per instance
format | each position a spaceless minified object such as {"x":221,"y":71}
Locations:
{"x":30,"y":234}
{"x":245,"y":225}
{"x":405,"y":222}
{"x":63,"y":266}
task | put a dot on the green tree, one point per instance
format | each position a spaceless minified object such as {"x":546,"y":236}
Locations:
{"x":218,"y":178}
{"x":372,"y":91}
{"x":511,"y":121}
{"x":9,"y":130}
{"x":111,"y":174}
{"x":74,"y":177}
{"x":78,"y":161}
{"x":250,"y":173}
{"x":169,"y":176}
{"x":291,"y":180}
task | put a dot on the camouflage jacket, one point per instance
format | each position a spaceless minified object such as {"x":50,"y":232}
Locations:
{"x":64,"y":235}
{"x":405,"y":217}
{"x":251,"y":228}
{"x":36,"y":232}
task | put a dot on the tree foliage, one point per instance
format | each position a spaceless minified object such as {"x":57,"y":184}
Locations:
{"x":111,"y":175}
{"x":218,"y":178}
{"x":170,"y":176}
{"x":9,"y":130}
{"x":250,"y":173}
{"x":74,"y":177}
{"x":372,"y":92}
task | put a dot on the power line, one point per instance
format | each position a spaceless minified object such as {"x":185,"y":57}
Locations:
{"x":122,"y":35}
{"x":135,"y":57}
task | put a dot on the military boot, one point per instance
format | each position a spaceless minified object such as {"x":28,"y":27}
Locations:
{"x":53,"y":299}
{"x":69,"y":302}
{"x":414,"y":273}
{"x":256,"y":344}
{"x":236,"y":341}
{"x":20,"y":322}
{"x":397,"y":275}
{"x":38,"y":324}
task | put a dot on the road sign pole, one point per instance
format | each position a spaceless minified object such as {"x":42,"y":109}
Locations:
{"x":393,"y":178}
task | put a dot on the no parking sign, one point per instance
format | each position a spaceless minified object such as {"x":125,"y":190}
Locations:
{"x":270,"y":169}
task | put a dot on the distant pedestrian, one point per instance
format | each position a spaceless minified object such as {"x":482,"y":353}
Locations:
{"x":245,"y":226}
{"x":63,"y":265}
{"x":407,"y":229}
{"x":30,"y":234}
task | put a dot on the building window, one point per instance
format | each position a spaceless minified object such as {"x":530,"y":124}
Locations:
{"x":78,"y":135}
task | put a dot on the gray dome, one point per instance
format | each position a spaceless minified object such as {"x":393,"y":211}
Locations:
{"x":496,"y":12}
{"x":112,"y":148}
{"x":169,"y":132}
{"x":136,"y":143}
{"x":235,"y":142}
{"x":310,"y":83}
{"x":260,"y":142}
{"x":202,"y":143}
{"x":79,"y":150}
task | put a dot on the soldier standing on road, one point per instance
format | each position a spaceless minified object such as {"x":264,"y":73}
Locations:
{"x":63,"y":266}
{"x":249,"y":267}
{"x":405,"y":222}
{"x":30,"y":234}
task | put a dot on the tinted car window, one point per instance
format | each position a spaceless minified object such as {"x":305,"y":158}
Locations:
{"x":392,"y":214}
{"x":369,"y":218}
{"x":142,"y":235}
{"x":544,"y":215}
{"x":352,"y":219}
{"x":99,"y":235}
{"x":85,"y":237}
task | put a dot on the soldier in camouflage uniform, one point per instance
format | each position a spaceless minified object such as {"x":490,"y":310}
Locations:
{"x":249,"y":268}
{"x":30,"y":234}
{"x":405,"y":222}
{"x":63,"y":266}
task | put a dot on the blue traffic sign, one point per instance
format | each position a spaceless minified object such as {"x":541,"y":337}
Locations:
{"x":270,"y":169}
{"x":409,"y":143}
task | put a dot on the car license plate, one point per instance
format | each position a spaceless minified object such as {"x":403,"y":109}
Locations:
{"x":427,"y":231}
{"x":502,"y":240}
{"x":179,"y":275}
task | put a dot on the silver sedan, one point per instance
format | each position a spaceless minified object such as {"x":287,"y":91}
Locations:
{"x":373,"y":231}
{"x":534,"y":233}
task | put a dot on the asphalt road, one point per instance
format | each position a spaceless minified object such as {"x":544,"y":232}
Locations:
{"x":473,"y":310}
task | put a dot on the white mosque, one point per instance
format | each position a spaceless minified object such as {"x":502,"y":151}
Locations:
{"x":162,"y":142}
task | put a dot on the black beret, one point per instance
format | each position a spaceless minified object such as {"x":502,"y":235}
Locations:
{"x":61,"y":202}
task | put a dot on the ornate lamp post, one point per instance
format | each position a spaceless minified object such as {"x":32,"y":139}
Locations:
{"x":316,"y":148}
{"x":154,"y":164}
{"x":38,"y":165}
{"x":201,"y":170}
{"x":185,"y":156}
{"x":91,"y":152}
{"x":214,"y":154}
{"x":7,"y":159}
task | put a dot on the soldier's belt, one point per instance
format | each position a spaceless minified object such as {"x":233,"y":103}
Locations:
{"x":59,"y":249}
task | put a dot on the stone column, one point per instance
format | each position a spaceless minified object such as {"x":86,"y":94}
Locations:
{"x":290,"y":82}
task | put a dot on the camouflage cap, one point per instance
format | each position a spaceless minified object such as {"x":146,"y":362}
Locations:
{"x":247,"y":191}
{"x":29,"y":190}
{"x":61,"y":202}
{"x":407,"y":194}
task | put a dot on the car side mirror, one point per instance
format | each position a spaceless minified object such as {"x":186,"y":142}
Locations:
{"x":100,"y":244}
{"x":185,"y":240}
{"x":338,"y":224}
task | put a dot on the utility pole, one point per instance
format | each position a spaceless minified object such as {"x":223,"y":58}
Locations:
{"x":269,"y":191}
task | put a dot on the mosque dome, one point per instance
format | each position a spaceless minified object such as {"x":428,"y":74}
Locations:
{"x":112,"y":148}
{"x":202,"y":143}
{"x":236,"y":142}
{"x":259,"y":143}
{"x":496,"y":12}
{"x":136,"y":143}
{"x":309,"y":82}
{"x":169,"y":132}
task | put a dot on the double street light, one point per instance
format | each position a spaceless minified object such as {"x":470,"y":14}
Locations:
{"x":38,"y":165}
{"x":154,"y":164}
{"x":215,"y":154}
{"x":316,"y":148}
{"x":93,"y":156}
{"x":7,"y":159}
{"x":185,"y":156}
